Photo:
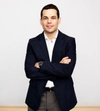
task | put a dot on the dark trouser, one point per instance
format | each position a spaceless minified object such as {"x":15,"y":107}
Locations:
{"x":48,"y":102}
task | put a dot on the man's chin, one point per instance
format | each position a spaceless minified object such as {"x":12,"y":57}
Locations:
{"x":50,"y":31}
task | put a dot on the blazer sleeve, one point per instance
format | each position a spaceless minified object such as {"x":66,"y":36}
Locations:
{"x":62,"y":70}
{"x":31,"y":71}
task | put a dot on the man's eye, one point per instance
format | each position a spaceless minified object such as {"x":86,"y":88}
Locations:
{"x":44,"y":18}
{"x":53,"y":17}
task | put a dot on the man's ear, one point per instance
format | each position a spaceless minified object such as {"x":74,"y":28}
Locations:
{"x":40,"y":21}
{"x":59,"y":20}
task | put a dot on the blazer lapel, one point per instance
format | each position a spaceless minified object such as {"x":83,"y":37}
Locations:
{"x":58,"y":45}
{"x":43,"y":46}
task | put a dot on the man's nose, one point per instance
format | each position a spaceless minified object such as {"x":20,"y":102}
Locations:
{"x":49,"y":20}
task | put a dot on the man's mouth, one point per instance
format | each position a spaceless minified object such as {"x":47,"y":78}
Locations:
{"x":49,"y":26}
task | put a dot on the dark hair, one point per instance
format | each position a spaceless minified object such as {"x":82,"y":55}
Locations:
{"x":50,"y":6}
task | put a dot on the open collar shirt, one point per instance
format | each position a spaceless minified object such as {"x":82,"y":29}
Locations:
{"x":50,"y":46}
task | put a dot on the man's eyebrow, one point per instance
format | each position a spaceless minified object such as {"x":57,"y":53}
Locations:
{"x":51,"y":16}
{"x":44,"y":16}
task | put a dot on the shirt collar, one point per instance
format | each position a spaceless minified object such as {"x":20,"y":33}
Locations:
{"x":46,"y":38}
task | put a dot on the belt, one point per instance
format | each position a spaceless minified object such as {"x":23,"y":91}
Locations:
{"x":49,"y":89}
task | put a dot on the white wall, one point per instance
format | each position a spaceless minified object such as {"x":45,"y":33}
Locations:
{"x":19,"y":21}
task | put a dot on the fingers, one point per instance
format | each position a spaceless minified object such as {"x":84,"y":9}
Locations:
{"x":65,"y":60}
{"x":37,"y":65}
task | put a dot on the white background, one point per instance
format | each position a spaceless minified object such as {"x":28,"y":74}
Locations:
{"x":19,"y":21}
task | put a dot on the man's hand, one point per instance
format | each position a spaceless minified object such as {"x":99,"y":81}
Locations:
{"x":37,"y":65}
{"x":65,"y":60}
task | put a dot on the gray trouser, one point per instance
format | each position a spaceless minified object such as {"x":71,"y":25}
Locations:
{"x":48,"y":102}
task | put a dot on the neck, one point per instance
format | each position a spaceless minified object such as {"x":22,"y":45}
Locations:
{"x":51,"y":35}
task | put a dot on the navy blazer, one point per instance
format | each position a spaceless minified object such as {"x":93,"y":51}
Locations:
{"x":59,"y":73}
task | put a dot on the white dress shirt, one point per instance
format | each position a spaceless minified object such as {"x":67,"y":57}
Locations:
{"x":50,"y":45}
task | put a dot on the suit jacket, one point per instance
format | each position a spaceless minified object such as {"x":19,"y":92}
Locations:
{"x":59,"y":73}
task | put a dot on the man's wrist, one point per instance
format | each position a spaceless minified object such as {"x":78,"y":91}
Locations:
{"x":40,"y":63}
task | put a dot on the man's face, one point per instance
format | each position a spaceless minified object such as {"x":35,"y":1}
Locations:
{"x":50,"y":21}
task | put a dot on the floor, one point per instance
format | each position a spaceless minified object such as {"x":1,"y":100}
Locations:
{"x":8,"y":108}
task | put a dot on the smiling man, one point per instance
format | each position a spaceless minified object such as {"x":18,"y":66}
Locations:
{"x":50,"y":21}
{"x":49,"y":64}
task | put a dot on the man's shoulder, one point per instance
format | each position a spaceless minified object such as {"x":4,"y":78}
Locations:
{"x":36,"y":37}
{"x":65,"y":36}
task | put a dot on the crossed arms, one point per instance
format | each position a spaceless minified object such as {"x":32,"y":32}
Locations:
{"x":65,"y":60}
{"x":50,"y":69}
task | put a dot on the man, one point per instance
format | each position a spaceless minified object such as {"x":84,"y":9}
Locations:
{"x":49,"y":63}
